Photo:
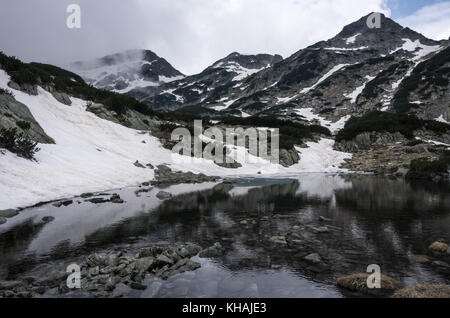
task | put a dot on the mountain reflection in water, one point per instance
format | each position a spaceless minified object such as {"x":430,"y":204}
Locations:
{"x":369,"y":220}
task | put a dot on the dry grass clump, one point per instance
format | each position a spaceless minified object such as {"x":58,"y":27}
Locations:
{"x":358,"y":283}
{"x":424,"y":291}
{"x":439,"y":247}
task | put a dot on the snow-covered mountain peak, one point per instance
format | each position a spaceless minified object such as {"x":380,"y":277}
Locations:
{"x":245,"y":65}
{"x":127,"y":70}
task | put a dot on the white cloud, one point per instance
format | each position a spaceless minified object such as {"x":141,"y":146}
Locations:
{"x":206,"y":30}
{"x":432,"y":21}
{"x":190,"y":34}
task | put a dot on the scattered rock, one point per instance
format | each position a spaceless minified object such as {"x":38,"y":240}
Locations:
{"x":98,"y":200}
{"x":48,"y":219}
{"x":87,"y":195}
{"x":278,"y":240}
{"x":421,"y":259}
{"x":319,"y":230}
{"x":63,"y":98}
{"x":164,"y":260}
{"x":115,"y":198}
{"x":9,"y":285}
{"x":8,"y":213}
{"x":313,"y":258}
{"x":213,"y":251}
{"x":139,"y":165}
{"x":441,"y":264}
{"x":63,"y":203}
{"x":324,"y":219}
{"x":439,"y":247}
{"x":165,"y":176}
{"x":138,"y":192}
{"x":163,"y":195}
{"x":138,"y":286}
{"x":223,"y":188}
{"x":424,"y":291}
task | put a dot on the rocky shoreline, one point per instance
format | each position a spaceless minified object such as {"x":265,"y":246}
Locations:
{"x":114,"y":272}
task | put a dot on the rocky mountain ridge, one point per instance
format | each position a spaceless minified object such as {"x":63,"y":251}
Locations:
{"x":207,"y":85}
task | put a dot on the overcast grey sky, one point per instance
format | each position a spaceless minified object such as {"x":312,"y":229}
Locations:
{"x":190,"y":34}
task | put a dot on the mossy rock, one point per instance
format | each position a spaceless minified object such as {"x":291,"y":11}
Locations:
{"x":438,"y":247}
{"x":357,"y":283}
{"x":424,"y":291}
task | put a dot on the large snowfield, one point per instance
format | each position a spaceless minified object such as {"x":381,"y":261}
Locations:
{"x":92,"y":154}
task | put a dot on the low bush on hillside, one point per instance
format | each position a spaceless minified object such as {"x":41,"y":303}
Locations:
{"x":291,"y":133}
{"x":6,"y":92}
{"x":389,"y":122}
{"x":24,"y":125}
{"x":18,"y":143}
{"x":427,"y":166}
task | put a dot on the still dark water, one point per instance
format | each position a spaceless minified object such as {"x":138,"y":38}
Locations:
{"x":349,"y":221}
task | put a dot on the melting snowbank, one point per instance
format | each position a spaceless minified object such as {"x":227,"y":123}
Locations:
{"x":320,"y":157}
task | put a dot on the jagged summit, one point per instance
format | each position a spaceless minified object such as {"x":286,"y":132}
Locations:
{"x":220,"y":76}
{"x":247,"y":61}
{"x":389,"y":36}
{"x":359,"y":69}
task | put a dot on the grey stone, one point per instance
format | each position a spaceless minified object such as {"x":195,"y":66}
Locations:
{"x":48,"y":219}
{"x":8,"y":285}
{"x":3,"y":220}
{"x":137,"y":286}
{"x":278,"y":240}
{"x":313,"y":258}
{"x":8,"y":213}
{"x":319,"y":230}
{"x":139,"y":165}
{"x":144,"y":264}
{"x":163,"y":195}
{"x":14,"y":85}
{"x":223,"y":188}
{"x":63,"y":98}
{"x":213,"y":251}
{"x":153,"y":290}
{"x":164,"y":260}
{"x":111,"y":283}
{"x":121,"y":290}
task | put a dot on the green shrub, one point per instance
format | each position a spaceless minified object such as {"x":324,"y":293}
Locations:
{"x":291,"y":133}
{"x":17,"y":143}
{"x":24,"y":125}
{"x":6,"y":92}
{"x":167,"y":127}
{"x":424,"y":165}
{"x":414,"y":142}
{"x":388,"y":122}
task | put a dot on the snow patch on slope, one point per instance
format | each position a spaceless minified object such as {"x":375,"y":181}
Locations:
{"x":309,"y":115}
{"x":352,"y":39}
{"x":354,"y":95}
{"x":321,"y":157}
{"x":242,"y":72}
{"x":420,"y":49}
{"x":442,"y":119}
{"x":323,"y":78}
